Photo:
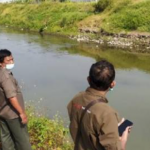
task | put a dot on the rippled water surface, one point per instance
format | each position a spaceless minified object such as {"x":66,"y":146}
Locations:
{"x":52,"y":69}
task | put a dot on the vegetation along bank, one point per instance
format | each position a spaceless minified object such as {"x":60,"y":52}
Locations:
{"x":116,"y":23}
{"x":47,"y":134}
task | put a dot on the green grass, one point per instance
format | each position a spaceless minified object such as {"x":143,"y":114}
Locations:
{"x":128,"y":16}
{"x":56,"y":17}
{"x":68,"y":17}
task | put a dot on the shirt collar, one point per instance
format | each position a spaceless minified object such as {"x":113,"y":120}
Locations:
{"x":9,"y":71}
{"x":94,"y":92}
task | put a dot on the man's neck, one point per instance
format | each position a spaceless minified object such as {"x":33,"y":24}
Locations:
{"x":103,"y":93}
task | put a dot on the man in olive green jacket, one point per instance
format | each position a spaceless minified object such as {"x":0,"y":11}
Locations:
{"x":98,"y":129}
{"x":13,"y":118}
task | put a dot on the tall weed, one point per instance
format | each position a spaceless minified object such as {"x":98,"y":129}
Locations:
{"x":47,"y":134}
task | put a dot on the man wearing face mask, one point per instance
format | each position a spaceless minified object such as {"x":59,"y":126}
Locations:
{"x":13,"y":119}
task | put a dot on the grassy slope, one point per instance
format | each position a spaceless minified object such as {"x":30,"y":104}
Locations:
{"x":57,"y":17}
{"x":129,"y":16}
{"x":122,"y":15}
{"x":67,"y":18}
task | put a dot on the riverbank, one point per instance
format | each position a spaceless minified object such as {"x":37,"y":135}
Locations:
{"x":122,"y":24}
{"x":46,"y":133}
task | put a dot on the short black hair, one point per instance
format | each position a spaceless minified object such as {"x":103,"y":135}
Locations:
{"x":4,"y":53}
{"x":101,"y":75}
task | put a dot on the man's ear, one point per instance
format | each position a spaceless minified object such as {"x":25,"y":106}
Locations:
{"x":112,"y":84}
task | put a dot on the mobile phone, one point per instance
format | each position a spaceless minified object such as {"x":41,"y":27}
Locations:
{"x":123,"y":126}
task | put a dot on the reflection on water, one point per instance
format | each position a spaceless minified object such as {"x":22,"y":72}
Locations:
{"x":121,"y":59}
{"x":52,"y":69}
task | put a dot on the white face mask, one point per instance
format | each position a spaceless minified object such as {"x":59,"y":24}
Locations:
{"x":10,"y":66}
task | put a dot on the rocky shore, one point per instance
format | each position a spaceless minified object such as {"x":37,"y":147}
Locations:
{"x":134,"y":42}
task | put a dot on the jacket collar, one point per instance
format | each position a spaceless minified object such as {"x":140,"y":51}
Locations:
{"x":95,"y":92}
{"x":9,"y":71}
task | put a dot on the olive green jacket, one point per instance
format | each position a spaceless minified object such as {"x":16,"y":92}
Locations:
{"x":9,"y":88}
{"x":99,"y":127}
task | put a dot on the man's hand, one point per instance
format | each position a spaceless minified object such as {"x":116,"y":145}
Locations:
{"x":24,"y":118}
{"x":14,"y":102}
{"x":125,"y":135}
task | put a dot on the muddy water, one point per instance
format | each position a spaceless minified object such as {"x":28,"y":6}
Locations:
{"x":52,"y":69}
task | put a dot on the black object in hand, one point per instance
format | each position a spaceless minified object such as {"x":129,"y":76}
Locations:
{"x":123,"y":126}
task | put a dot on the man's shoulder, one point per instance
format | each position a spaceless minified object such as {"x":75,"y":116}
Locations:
{"x":76,"y":99}
{"x":4,"y":74}
{"x":103,"y":108}
{"x":78,"y":96}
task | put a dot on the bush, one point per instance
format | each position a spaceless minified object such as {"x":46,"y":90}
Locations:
{"x":101,"y":5}
{"x":47,"y":134}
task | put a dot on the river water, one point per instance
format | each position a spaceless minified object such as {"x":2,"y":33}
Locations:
{"x":52,"y":69}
